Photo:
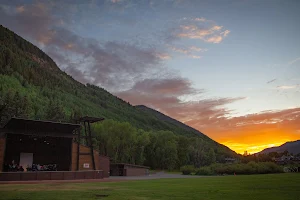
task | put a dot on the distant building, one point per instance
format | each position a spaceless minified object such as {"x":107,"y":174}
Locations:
{"x":287,"y":160}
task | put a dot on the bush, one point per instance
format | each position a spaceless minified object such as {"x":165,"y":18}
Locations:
{"x":187,"y":169}
{"x":240,"y":168}
{"x":269,"y":167}
{"x":204,"y":171}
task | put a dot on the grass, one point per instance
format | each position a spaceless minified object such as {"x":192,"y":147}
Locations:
{"x":272,"y":186}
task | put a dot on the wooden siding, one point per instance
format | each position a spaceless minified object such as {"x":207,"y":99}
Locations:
{"x":84,"y":158}
{"x":104,"y":165}
{"x":136,"y":172}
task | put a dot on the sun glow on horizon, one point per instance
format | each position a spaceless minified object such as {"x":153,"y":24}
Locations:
{"x":251,"y":148}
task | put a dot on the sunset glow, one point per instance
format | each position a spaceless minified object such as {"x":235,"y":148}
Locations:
{"x":250,"y":148}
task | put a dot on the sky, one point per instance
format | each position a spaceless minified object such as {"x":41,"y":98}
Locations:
{"x":229,"y":68}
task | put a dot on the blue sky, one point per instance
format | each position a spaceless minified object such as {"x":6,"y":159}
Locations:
{"x":201,"y":62}
{"x":263,"y":39}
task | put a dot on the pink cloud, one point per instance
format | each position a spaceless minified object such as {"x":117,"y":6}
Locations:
{"x":200,"y":28}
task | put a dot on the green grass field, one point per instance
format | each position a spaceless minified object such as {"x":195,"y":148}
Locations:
{"x":274,"y":186}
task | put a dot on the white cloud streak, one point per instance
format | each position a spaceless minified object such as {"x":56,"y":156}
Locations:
{"x":294,"y":61}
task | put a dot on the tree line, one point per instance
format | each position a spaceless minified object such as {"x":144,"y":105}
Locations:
{"x":124,"y":143}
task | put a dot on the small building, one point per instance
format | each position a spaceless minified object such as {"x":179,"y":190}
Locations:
{"x":123,"y":169}
{"x":45,"y":150}
{"x":104,"y":165}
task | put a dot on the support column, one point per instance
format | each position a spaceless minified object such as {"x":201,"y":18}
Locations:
{"x":78,"y":149}
{"x":91,"y":146}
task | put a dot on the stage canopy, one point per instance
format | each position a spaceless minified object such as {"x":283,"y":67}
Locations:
{"x":38,"y":127}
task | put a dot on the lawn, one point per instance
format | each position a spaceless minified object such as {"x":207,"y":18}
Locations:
{"x":274,"y":186}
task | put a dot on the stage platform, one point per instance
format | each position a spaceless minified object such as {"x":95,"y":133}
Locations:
{"x":51,"y":175}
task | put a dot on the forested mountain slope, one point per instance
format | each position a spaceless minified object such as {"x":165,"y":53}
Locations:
{"x":168,"y":119}
{"x":32,"y":86}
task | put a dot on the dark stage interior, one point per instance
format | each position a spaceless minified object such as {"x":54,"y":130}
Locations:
{"x":45,"y":150}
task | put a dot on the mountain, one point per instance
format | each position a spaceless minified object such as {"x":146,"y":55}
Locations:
{"x":32,"y":86}
{"x":175,"y":123}
{"x":291,"y":147}
{"x":170,"y":120}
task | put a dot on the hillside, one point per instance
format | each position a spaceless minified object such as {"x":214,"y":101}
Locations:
{"x":32,"y":86}
{"x":291,"y":147}
{"x":171,"y":121}
{"x":175,"y":123}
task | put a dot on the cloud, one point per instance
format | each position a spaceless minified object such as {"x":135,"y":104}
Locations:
{"x":287,"y":87}
{"x":188,"y":51}
{"x":20,"y":9}
{"x":293,"y":61}
{"x":248,"y":132}
{"x":271,"y":81}
{"x":101,"y":63}
{"x":165,"y":96}
{"x":116,"y":1}
{"x":201,"y":19}
{"x":254,"y":130}
{"x":30,"y":20}
{"x":163,"y":56}
{"x":164,"y":86}
{"x":225,"y":33}
{"x":202,"y":29}
{"x":210,"y":116}
{"x":195,"y":56}
{"x":180,"y":50}
{"x":194,"y":48}
{"x":214,"y":39}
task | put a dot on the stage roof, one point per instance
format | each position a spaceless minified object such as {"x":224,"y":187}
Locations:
{"x":90,"y":119}
{"x":38,"y":127}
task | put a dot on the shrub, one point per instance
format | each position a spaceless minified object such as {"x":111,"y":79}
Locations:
{"x":187,"y":169}
{"x":241,"y":168}
{"x":204,"y":171}
{"x":269,"y":167}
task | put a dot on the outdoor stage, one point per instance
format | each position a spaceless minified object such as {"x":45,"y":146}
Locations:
{"x":32,"y":150}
